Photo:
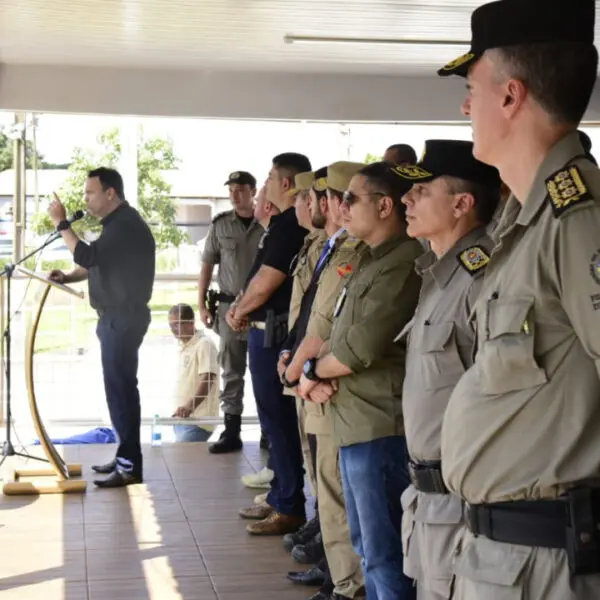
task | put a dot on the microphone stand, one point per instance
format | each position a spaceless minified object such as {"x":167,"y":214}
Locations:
{"x":7,"y":448}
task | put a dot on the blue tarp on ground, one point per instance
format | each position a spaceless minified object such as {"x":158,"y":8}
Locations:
{"x":101,"y":435}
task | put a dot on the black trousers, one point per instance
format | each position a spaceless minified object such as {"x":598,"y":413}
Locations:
{"x":121,"y":335}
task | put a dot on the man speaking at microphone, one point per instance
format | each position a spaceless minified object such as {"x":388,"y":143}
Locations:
{"x":119,"y":267}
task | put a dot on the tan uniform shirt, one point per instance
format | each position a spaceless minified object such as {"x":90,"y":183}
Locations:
{"x":233,"y":247}
{"x":524,"y":421}
{"x":342,"y":264}
{"x":379,"y":300}
{"x":198,"y":356}
{"x":441,"y":342}
{"x":303,"y":269}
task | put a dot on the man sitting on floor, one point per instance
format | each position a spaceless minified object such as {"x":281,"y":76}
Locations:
{"x":198,"y":382}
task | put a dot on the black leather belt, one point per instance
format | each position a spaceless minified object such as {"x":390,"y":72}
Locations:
{"x":571,"y":523}
{"x":527,"y":523}
{"x":225,"y":298}
{"x":427,"y":477}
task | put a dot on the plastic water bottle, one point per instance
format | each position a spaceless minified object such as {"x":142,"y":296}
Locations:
{"x":155,"y":432}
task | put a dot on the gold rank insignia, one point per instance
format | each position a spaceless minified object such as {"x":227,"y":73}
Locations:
{"x":458,"y":62}
{"x":412,"y":172}
{"x":566,"y":188}
{"x":320,"y":185}
{"x":473,"y":259}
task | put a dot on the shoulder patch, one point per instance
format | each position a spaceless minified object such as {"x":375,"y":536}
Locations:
{"x":565,"y":189}
{"x":473,"y":259}
{"x":221,"y":215}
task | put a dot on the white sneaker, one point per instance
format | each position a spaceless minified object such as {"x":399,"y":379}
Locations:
{"x":261,"y":498}
{"x":260,"y":480}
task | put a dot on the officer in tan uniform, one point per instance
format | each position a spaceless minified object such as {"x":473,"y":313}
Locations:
{"x":453,"y":198}
{"x":231,"y":243}
{"x":361,"y":371}
{"x":302,"y":270}
{"x":345,"y":577}
{"x":521,"y":434}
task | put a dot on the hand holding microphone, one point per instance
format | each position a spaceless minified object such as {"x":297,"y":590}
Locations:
{"x":58,"y":214}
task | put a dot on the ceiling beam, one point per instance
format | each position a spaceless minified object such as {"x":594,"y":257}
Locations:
{"x":222,"y":94}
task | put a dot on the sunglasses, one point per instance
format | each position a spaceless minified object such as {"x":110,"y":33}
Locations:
{"x":351,"y":198}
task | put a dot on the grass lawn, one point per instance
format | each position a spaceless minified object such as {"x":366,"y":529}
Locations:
{"x":66,"y":326}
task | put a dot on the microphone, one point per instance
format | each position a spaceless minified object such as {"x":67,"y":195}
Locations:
{"x":76,"y":216}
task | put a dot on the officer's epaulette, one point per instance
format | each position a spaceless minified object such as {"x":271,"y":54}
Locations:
{"x":473,"y":259}
{"x":221,"y":215}
{"x":566,"y":188}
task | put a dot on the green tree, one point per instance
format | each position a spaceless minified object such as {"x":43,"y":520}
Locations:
{"x":371,"y":158}
{"x":154,"y":202}
{"x":7,"y":153}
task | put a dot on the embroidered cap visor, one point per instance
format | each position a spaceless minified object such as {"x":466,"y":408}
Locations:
{"x":452,"y":158}
{"x":415,"y":173}
{"x":521,"y":22}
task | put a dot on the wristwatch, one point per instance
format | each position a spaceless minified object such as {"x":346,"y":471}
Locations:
{"x":64,"y":224}
{"x":309,"y":370}
{"x":287,"y":383}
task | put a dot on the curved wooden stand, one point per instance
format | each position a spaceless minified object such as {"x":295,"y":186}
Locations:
{"x":61,"y":473}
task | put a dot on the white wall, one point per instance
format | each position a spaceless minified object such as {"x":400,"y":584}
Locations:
{"x":234,"y":95}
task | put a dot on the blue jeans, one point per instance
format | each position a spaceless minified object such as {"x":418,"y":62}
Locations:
{"x":374,"y":475}
{"x":121,"y":334}
{"x":278,"y":417}
{"x":190,"y":433}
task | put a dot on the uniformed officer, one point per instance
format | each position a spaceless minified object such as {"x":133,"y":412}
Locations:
{"x":302,"y":268}
{"x":345,"y":577}
{"x":520,"y":434}
{"x":231,"y":243}
{"x":119,"y":267}
{"x":264,"y":308}
{"x":361,"y":355}
{"x":453,"y":198}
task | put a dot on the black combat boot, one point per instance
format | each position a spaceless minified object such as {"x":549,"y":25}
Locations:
{"x":230,"y":440}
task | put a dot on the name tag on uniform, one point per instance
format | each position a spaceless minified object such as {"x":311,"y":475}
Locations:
{"x":340,"y":302}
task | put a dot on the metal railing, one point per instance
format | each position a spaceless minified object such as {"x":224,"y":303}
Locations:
{"x":68,"y":372}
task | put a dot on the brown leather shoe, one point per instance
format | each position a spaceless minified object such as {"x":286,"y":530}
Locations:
{"x":276,"y":524}
{"x":258,"y":511}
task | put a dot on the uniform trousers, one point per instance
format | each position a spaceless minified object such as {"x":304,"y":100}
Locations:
{"x":307,"y":447}
{"x":233,"y":353}
{"x":343,"y":562}
{"x":279,"y":419}
{"x":498,"y":571}
{"x":121,"y":334}
{"x":432,"y":526}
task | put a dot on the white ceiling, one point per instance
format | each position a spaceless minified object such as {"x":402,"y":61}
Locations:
{"x":228,"y":58}
{"x":232,"y":34}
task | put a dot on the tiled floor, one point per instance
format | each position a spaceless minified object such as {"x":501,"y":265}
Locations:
{"x":176,"y":537}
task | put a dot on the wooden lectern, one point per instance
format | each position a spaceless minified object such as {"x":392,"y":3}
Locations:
{"x":57,"y":479}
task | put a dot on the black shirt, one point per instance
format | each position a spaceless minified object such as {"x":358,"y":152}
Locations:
{"x":246,"y":221}
{"x":278,"y":247}
{"x":120,"y":263}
